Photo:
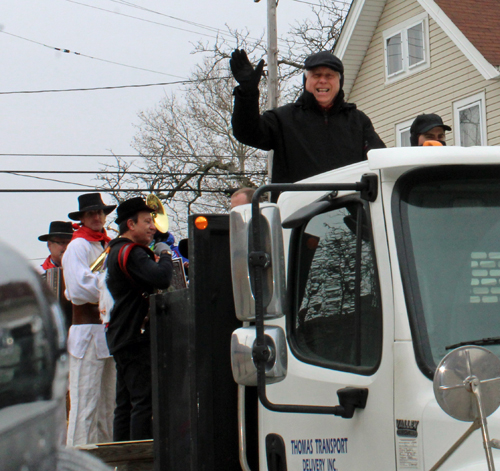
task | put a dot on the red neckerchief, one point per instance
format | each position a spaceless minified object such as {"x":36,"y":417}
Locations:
{"x":90,"y":235}
{"x":48,"y":264}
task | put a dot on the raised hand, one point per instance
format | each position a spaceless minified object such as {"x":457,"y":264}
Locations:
{"x":243,"y":71}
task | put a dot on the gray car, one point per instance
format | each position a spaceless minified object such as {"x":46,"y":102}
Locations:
{"x":33,"y":374}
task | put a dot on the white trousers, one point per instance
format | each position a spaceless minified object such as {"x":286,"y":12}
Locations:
{"x":92,"y":391}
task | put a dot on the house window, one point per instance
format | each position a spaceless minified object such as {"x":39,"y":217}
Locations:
{"x":416,"y":44}
{"x":406,"y":48}
{"x":470,"y":121}
{"x":394,"y":48}
{"x":403,"y":134}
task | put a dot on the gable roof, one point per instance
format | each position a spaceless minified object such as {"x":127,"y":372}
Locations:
{"x":479,"y":20}
{"x":482,"y":48}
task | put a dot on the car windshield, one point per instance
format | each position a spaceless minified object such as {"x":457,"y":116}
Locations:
{"x":449,"y":242}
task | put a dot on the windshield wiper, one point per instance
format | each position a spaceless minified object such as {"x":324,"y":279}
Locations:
{"x":486,"y":341}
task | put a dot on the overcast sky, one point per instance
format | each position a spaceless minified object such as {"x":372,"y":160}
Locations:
{"x":97,"y":33}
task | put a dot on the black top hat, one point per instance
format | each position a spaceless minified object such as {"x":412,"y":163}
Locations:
{"x":131,"y":207}
{"x":326,"y":59}
{"x":58,"y":229}
{"x":90,"y":202}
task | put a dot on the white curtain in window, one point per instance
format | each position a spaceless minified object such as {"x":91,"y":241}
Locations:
{"x":394,"y":54}
{"x":416,"y":44}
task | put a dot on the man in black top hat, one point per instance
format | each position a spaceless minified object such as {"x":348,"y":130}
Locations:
{"x":133,"y":274}
{"x":428,"y":127}
{"x":319,"y":132}
{"x":92,"y":376}
{"x":57,"y":239}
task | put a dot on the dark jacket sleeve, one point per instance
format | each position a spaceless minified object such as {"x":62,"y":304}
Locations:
{"x":370,"y":136}
{"x":249,"y":126}
{"x":146,"y":272}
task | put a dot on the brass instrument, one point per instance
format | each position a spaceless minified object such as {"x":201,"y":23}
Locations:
{"x":98,"y":265}
{"x":160,"y":219}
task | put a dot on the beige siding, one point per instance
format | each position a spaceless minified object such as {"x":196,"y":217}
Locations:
{"x":449,"y":78}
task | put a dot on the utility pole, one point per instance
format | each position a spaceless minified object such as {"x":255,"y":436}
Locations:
{"x":272,"y":67}
{"x":272,"y":55}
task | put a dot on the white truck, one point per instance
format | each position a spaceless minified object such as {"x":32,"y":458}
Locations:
{"x":376,"y":309}
{"x":351,"y":290}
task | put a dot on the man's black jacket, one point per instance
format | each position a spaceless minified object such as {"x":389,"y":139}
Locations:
{"x":306,"y":139}
{"x":131,"y":306}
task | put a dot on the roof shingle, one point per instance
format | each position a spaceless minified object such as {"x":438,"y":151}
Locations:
{"x":479,"y":21}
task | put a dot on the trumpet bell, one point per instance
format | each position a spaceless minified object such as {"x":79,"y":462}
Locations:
{"x":98,"y":265}
{"x":160,"y":217}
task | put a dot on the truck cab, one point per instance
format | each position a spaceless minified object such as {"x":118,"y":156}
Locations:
{"x":366,"y":298}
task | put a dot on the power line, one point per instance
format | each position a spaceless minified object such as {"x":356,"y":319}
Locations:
{"x":116,"y":87}
{"x":67,"y":51}
{"x":71,"y":155}
{"x":47,"y":179}
{"x":318,"y":5}
{"x":96,"y":88}
{"x":85,"y":185}
{"x":192,"y":23}
{"x":199,"y":25}
{"x":119,"y":155}
{"x":128,"y":173}
{"x":108,"y":190}
{"x":142,"y":19}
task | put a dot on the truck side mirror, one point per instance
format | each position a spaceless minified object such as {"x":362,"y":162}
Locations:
{"x":274,"y":273}
{"x":467,"y":387}
{"x":242,"y":345}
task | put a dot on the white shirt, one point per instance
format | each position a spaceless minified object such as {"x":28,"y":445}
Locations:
{"x":81,"y":284}
{"x":81,"y":288}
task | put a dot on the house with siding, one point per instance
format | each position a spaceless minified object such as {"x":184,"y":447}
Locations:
{"x":407,"y":57}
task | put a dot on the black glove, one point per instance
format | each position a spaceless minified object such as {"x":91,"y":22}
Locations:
{"x":243,"y":71}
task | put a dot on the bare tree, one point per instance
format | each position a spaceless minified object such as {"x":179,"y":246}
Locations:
{"x":188,"y":155}
{"x":319,"y":33}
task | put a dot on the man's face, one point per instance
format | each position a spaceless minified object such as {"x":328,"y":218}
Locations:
{"x":435,"y":134}
{"x":57,"y":246}
{"x":94,"y":220}
{"x":238,"y":200}
{"x":142,"y":231}
{"x":324,"y":84}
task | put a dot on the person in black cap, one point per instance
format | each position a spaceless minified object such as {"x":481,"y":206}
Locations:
{"x":133,"y":274}
{"x":319,"y":132}
{"x":57,"y":239}
{"x":428,"y":127}
{"x":92,"y":375}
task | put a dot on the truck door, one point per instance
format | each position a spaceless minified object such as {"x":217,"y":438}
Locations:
{"x":339,"y":330}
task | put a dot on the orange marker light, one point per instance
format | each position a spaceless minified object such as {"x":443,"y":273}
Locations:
{"x":432,"y":143}
{"x":201,"y":222}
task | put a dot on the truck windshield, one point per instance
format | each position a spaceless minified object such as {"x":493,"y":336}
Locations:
{"x":447,"y":224}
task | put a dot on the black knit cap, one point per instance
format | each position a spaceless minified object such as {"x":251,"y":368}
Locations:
{"x":130,"y":208}
{"x":61,"y":229}
{"x":90,"y":202}
{"x":326,"y":59}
